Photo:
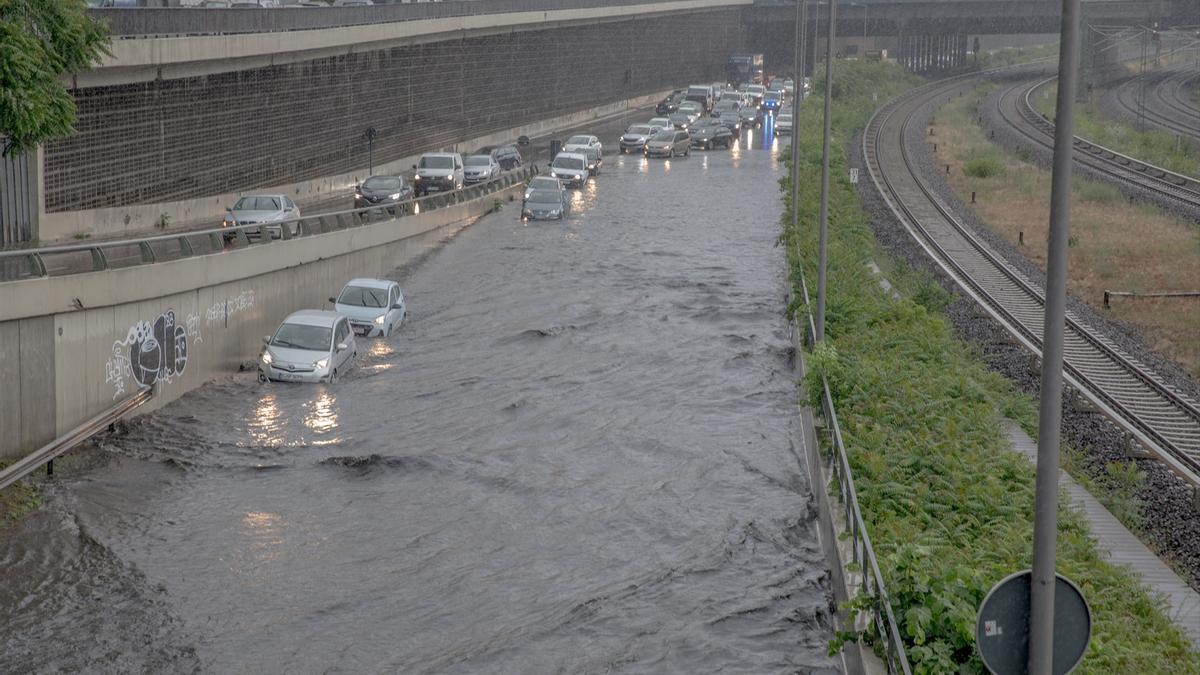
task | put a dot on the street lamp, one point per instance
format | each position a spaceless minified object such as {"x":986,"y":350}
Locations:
{"x":823,"y":238}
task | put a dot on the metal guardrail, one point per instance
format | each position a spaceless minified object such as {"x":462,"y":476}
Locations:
{"x":174,"y":21}
{"x":883,"y":620}
{"x":69,"y":259}
{"x":46,"y":454}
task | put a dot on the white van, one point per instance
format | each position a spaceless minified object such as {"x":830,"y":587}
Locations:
{"x":702,"y":94}
{"x":438,"y":172}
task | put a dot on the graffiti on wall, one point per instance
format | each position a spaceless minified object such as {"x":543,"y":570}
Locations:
{"x":152,"y":351}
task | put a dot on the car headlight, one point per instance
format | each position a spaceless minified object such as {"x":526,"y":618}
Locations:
{"x":379,"y":320}
{"x":553,"y":174}
{"x":555,"y":212}
{"x":417,"y":177}
{"x":321,"y":364}
{"x":266,"y":358}
{"x":358,"y":195}
{"x":394,"y":195}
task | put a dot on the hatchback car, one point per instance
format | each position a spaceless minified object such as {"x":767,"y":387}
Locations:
{"x":542,"y":183}
{"x":269,"y":210}
{"x":783,"y":123}
{"x":712,"y":135}
{"x":546,"y":205}
{"x":635,"y":137}
{"x":382,"y":190}
{"x":595,"y":160}
{"x":570,"y":168}
{"x":669,"y":144}
{"x":680,"y":120}
{"x":507,"y":156}
{"x":660,"y":122}
{"x":670,"y":103}
{"x":375,"y":306}
{"x":309,"y":346}
{"x":479,"y":168}
{"x":579,"y":142}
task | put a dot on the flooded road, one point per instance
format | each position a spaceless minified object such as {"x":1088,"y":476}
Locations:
{"x":580,"y":454}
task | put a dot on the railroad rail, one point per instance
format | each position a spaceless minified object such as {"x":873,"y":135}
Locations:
{"x":1164,"y":421}
{"x":43,"y":261}
{"x":1016,"y":109}
{"x":1166,"y":105}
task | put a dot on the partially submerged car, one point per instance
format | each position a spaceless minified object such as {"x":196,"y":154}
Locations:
{"x":375,"y":306}
{"x":309,"y":346}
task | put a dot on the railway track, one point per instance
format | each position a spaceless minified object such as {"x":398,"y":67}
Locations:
{"x":1166,"y":103}
{"x":1161,"y":419}
{"x":1016,"y":109}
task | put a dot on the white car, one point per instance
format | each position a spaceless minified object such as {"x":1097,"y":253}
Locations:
{"x":578,"y":143}
{"x":479,"y":168}
{"x":661,"y":123}
{"x":375,"y":306}
{"x":571,"y":168}
{"x":438,"y":172}
{"x":264,"y":209}
{"x":310,"y":346}
{"x":783,"y":123}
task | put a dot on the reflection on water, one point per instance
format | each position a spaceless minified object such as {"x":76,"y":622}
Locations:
{"x":266,"y":425}
{"x":322,"y":413}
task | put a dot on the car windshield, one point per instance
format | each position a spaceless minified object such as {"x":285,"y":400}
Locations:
{"x":544,"y":197}
{"x":544,"y":183}
{"x":579,"y":140}
{"x":561,"y":162}
{"x":639,"y":129}
{"x":771,"y":96}
{"x":361,"y":296}
{"x":382,"y":183}
{"x":477,"y":160}
{"x":302,"y":336}
{"x":436,"y":163}
{"x":664,"y":136}
{"x":697,"y":91}
{"x":257,"y":204}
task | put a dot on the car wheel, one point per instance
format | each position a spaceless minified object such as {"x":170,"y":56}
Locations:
{"x":670,"y":153}
{"x":333,"y":376}
{"x":687,"y":153}
{"x":262,"y":377}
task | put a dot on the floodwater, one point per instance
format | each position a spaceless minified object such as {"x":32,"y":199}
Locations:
{"x":580,"y":454}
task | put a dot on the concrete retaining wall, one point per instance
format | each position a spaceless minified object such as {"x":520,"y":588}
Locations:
{"x":73,"y":345}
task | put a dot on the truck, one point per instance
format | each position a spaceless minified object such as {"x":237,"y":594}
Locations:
{"x":744,"y":69}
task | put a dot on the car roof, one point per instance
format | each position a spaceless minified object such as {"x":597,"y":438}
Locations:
{"x":371,"y":283}
{"x":571,"y":155}
{"x":258,"y":195}
{"x":439,"y":154}
{"x":313,"y":317}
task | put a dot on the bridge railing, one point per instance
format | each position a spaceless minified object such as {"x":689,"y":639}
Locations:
{"x":882,"y":619}
{"x":118,"y":253}
{"x":175,"y":21}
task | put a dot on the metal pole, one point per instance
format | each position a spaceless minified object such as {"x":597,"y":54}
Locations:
{"x":1045,"y":517}
{"x":824,"y":237}
{"x":797,"y":94}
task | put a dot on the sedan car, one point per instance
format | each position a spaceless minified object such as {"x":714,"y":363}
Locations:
{"x":375,"y":306}
{"x":669,"y":104}
{"x":712,"y":135}
{"x":771,"y":101}
{"x":680,"y":120}
{"x":579,"y":142}
{"x":546,"y":205}
{"x":270,"y":210}
{"x":669,"y":144}
{"x":542,"y":183}
{"x":693,"y":109}
{"x":309,"y":346}
{"x":570,"y":168}
{"x":783,"y":123}
{"x":479,"y":168}
{"x":382,"y":190}
{"x":635,"y":137}
{"x":750,"y":116}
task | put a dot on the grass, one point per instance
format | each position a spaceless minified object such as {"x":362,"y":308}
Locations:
{"x":1150,"y":145}
{"x":1117,"y":246}
{"x":948,"y":504}
{"x":17,"y":500}
{"x":1008,"y":56}
{"x":983,"y":166}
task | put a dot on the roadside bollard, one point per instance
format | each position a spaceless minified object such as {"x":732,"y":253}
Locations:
{"x":947,"y":169}
{"x":972,"y":197}
{"x":1021,"y":237}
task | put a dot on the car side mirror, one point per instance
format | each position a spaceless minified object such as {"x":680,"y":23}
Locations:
{"x":333,"y":300}
{"x":229,"y":209}
{"x":266,"y":339}
{"x":342,"y":346}
{"x":397,"y":306}
{"x":414,"y":166}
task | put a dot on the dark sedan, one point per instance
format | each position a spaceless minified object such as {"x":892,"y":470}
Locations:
{"x":546,"y":205}
{"x":712,"y":136}
{"x":680,"y":120}
{"x":669,"y":104}
{"x":382,"y":190}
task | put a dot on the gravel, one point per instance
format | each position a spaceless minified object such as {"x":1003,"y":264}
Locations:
{"x":1170,"y":515}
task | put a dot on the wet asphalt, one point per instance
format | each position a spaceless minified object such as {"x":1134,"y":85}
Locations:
{"x":580,"y":454}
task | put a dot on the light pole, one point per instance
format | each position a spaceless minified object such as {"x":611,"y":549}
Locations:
{"x":1045,"y":517}
{"x":823,"y":239}
{"x":797,"y":97}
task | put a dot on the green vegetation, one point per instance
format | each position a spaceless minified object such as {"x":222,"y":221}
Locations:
{"x":17,"y":500}
{"x":1009,"y":56}
{"x":947,"y":503}
{"x":1154,"y":146}
{"x":983,"y":166}
{"x":41,"y":41}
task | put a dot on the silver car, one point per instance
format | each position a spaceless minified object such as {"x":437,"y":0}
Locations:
{"x":270,"y":210}
{"x":635,"y":137}
{"x":479,"y":168}
{"x":571,"y":168}
{"x":310,"y":346}
{"x":669,"y":144}
{"x":375,"y":306}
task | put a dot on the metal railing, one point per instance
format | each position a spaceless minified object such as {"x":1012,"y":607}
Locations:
{"x":69,"y":259}
{"x":176,"y":21}
{"x":883,"y":620}
{"x":46,"y":454}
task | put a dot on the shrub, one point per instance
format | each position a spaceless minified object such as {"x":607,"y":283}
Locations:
{"x":983,"y":167}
